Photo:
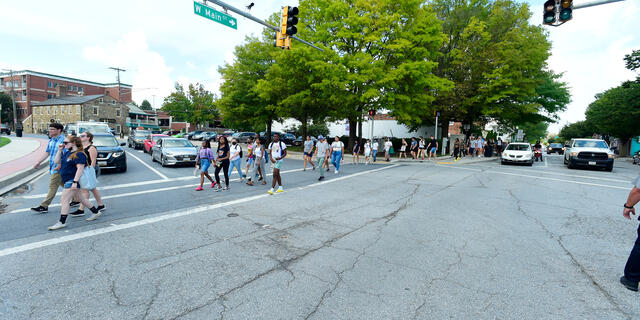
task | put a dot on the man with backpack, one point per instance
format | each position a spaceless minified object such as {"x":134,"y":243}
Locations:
{"x":277,"y":153}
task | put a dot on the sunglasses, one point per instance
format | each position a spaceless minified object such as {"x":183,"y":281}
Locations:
{"x":67,"y":142}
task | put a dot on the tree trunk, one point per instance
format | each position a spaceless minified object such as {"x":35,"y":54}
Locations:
{"x":268,"y":137}
{"x":360,"y":128}
{"x":304,"y":129}
{"x":624,"y":147}
{"x":353,"y":125}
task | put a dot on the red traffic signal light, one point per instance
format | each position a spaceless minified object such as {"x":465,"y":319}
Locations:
{"x":372,"y":112}
{"x":549,"y":13}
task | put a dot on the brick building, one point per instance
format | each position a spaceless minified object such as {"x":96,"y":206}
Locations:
{"x":31,"y":86}
{"x":66,"y":109}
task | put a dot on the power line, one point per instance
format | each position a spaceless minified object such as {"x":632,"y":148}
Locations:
{"x":118,"y":70}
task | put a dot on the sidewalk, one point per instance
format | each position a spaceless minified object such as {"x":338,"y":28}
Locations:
{"x":17,"y":160}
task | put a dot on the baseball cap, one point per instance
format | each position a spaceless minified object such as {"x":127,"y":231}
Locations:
{"x":320,"y":137}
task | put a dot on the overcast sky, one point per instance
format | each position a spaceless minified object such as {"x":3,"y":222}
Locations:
{"x":161,"y":42}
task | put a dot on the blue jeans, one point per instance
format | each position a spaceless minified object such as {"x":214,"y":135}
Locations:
{"x":375,"y":153}
{"x":336,"y":156}
{"x":236,"y":163}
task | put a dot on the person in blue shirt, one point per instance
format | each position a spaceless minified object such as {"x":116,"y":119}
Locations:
{"x":71,"y":160}
{"x":55,"y":140}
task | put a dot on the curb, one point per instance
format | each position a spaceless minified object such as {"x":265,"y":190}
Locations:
{"x":19,"y":178}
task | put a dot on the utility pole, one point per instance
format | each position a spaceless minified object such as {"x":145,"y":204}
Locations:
{"x":13,"y":99}
{"x":118,"y":70}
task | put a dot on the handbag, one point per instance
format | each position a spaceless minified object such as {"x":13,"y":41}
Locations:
{"x":88,"y":180}
{"x":391,"y":151}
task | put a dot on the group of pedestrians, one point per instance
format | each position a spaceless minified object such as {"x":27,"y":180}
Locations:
{"x":69,"y":159}
{"x":476,"y":147}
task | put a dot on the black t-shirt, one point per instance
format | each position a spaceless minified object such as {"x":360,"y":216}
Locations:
{"x":223,"y":152}
{"x":432,"y":143}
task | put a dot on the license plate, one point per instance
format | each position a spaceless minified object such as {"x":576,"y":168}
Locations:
{"x":592,"y":163}
{"x":102,"y":163}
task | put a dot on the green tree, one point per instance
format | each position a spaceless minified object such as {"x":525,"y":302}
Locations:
{"x":580,"y":129}
{"x":146,"y":105}
{"x":7,"y":108}
{"x":534,"y":131}
{"x":617,"y":111}
{"x":632,"y":60}
{"x":240,"y":102}
{"x":380,"y":54}
{"x":195,"y":105}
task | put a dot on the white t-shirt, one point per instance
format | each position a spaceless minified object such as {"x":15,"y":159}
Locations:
{"x":375,"y":146}
{"x":479,"y":143}
{"x":235,"y":152}
{"x":321,"y":148}
{"x":276,"y":149}
{"x":387,"y":145}
{"x":499,"y":142}
{"x":367,"y":147}
{"x":337,"y":146}
{"x":257,"y":150}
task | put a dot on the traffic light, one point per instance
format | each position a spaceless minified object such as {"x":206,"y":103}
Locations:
{"x":549,"y":14}
{"x":279,"y":40}
{"x":291,"y":19}
{"x":372,"y":112}
{"x":566,"y":10}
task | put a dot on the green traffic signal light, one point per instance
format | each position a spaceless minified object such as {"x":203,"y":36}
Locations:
{"x":549,"y":14}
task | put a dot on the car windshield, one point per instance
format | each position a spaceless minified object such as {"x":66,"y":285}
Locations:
{"x":93,"y":128}
{"x":156,"y":138}
{"x":105,"y":141}
{"x":176,"y":143}
{"x":141,"y":134}
{"x":590,"y":144}
{"x":556,"y":145}
{"x":518,"y":147}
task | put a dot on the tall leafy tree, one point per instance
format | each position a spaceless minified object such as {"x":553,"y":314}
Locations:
{"x":146,"y":105}
{"x":632,"y":60}
{"x":7,"y":108}
{"x":195,"y":105}
{"x":579,"y":129}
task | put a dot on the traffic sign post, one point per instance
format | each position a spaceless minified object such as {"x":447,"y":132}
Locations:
{"x":214,"y":15}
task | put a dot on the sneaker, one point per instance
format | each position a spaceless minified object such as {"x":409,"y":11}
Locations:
{"x":74,"y":203}
{"x":40,"y":209}
{"x":77,"y":213}
{"x":225,"y":188}
{"x":260,"y":178}
{"x":199,"y":188}
{"x":217,"y":189}
{"x":631,"y":285}
{"x":213,"y":184}
{"x":270,"y":191}
{"x":100,"y":207}
{"x":336,"y":172}
{"x":264,"y":182}
{"x":314,"y":169}
{"x":94,"y":216}
{"x":304,"y":169}
{"x":58,"y":225}
{"x":280,"y":190}
{"x":321,"y":178}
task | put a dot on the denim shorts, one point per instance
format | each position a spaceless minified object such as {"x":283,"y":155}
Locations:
{"x":67,"y":185}
{"x":204,"y":165}
{"x":433,"y":149}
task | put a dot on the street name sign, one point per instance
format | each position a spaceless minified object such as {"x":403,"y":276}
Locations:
{"x":215,"y":15}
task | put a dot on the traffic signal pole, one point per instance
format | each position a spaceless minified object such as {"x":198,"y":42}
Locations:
{"x":256,"y":19}
{"x":594,"y":3}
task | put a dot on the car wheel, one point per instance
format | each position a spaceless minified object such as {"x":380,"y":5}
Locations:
{"x":162,"y":161}
{"x":153,"y":159}
{"x":564,"y":159}
{"x":502,"y":162}
{"x":530,"y":164}
{"x":570,"y":164}
{"x":123,"y":169}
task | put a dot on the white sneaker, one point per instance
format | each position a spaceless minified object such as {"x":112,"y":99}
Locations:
{"x":58,"y":225}
{"x":94,"y":216}
{"x":336,"y":172}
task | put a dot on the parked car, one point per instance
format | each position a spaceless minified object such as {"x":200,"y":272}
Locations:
{"x":151,"y":140}
{"x":199,"y":136}
{"x":300,"y":140}
{"x":210,"y":136}
{"x":170,"y":132}
{"x":77,"y":128}
{"x":288,"y":138}
{"x":191,"y":134}
{"x":228,"y":134}
{"x":172,"y":151}
{"x":517,"y":152}
{"x":555,"y":147}
{"x":243,"y":137}
{"x":5,"y":129}
{"x":136,"y":139}
{"x":111,"y":154}
{"x":593,"y":153}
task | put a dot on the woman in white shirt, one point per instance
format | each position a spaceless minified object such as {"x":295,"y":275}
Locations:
{"x":367,"y":152}
{"x":337,"y":150}
{"x":235,"y":159}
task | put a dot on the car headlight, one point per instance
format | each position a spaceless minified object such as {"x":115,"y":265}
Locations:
{"x":504,"y":154}
{"x":611,"y":156}
{"x":117,"y":154}
{"x":139,"y":140}
{"x":562,"y":148}
{"x":574,"y":154}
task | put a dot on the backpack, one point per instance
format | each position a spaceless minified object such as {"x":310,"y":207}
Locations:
{"x":240,"y":150}
{"x":271,"y":146}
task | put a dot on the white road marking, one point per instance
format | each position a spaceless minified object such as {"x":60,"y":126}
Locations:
{"x":545,"y":162}
{"x":174,"y":214}
{"x":137,"y":193}
{"x":150,"y":167}
{"x":556,"y":173}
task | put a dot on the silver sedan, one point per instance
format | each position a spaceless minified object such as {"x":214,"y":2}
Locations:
{"x":172,"y":151}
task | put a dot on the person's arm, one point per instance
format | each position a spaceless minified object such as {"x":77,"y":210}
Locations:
{"x":93,"y":153}
{"x":44,"y":156}
{"x":283,"y":153}
{"x":341,"y":150}
{"x":79,"y":169}
{"x":632,"y":200}
{"x":56,"y":160}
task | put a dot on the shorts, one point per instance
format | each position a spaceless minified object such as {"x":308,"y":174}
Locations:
{"x":367,"y":153}
{"x":67,"y":185}
{"x":432,"y":150}
{"x":204,"y":165}
{"x":250,"y":161}
{"x":278,"y":164}
{"x":308,"y":154}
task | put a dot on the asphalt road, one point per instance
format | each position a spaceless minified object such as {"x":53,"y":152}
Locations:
{"x":400,"y":241}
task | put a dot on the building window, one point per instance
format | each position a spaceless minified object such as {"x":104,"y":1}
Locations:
{"x":78,"y":109}
{"x":79,"y":89}
{"x":75,"y":88}
{"x":118,"y":113}
{"x":49,"y":84}
{"x":101,"y":100}
{"x":24,"y":81}
{"x":95,"y":111}
{"x":55,"y":84}
{"x":113,"y":102}
{"x":69,"y":87}
{"x":55,"y":111}
{"x":24,"y":95}
{"x":70,"y":109}
{"x":62,"y":109}
{"x":118,"y":129}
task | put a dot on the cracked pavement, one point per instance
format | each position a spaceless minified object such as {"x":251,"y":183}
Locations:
{"x":417,"y":241}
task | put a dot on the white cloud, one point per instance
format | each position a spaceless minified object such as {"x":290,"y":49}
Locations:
{"x":146,"y":67}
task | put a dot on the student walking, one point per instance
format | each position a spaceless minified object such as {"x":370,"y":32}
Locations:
{"x":222,"y":163}
{"x":403,"y":149}
{"x":277,"y":153}
{"x":90,"y":150}
{"x":480,"y":147}
{"x":203,"y":161}
{"x":367,"y":152}
{"x":387,"y":149}
{"x":432,"y":147}
{"x":472,"y":146}
{"x":456,"y":149}
{"x":55,"y":140}
{"x":337,"y":150}
{"x":321,"y":155}
{"x":421,"y":148}
{"x":72,"y":161}
{"x":632,"y":268}
{"x":308,"y":154}
{"x":250,"y":145}
{"x":235,"y":157}
{"x":414,"y":148}
{"x":356,"y":152}
{"x":375,"y":149}
{"x":258,"y":155}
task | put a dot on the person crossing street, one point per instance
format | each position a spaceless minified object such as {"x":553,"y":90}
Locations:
{"x":203,"y":160}
{"x":308,"y":154}
{"x":321,"y":155}
{"x":337,"y":150}
{"x":55,"y":141}
{"x":277,"y":153}
{"x":632,"y":268}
